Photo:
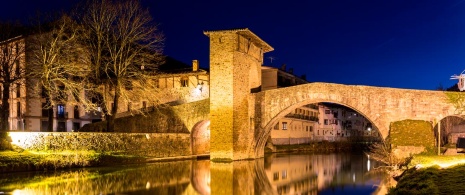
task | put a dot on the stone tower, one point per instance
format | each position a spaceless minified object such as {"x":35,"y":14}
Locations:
{"x":236,"y":57}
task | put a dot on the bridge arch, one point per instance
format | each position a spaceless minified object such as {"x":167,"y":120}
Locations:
{"x":284,"y":112}
{"x":200,"y":138}
{"x":379,"y":105}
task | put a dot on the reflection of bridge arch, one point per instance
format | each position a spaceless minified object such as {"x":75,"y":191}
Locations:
{"x":379,"y":104}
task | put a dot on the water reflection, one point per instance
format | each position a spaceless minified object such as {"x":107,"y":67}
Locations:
{"x":275,"y":174}
{"x":323,"y":174}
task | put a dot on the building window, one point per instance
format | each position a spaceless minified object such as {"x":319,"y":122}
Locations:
{"x":275,"y":176}
{"x":284,"y":174}
{"x":62,"y":93}
{"x":284,"y":125}
{"x":18,"y":109}
{"x":44,"y":110}
{"x":327,"y":111}
{"x":18,"y":90}
{"x":184,"y":81}
{"x":43,"y":126}
{"x":128,"y":85}
{"x":311,"y":128}
{"x":43,"y":93}
{"x":76,"y":126}
{"x":60,"y":111}
{"x":326,"y":122}
{"x":61,"y":126}
{"x":156,"y":83}
{"x":19,"y":125}
{"x":129,"y":106}
{"x":76,"y":112}
{"x":276,"y":127}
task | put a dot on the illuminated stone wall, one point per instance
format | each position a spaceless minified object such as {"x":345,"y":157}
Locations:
{"x":236,"y":57}
{"x":143,"y":144}
{"x":380,"y":105}
{"x":165,"y":119}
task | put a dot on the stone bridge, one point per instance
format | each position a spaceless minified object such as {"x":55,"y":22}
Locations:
{"x":241,"y":116}
{"x":380,"y":105}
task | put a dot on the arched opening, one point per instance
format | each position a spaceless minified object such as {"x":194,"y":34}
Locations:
{"x":316,"y":121}
{"x":447,"y":131}
{"x":200,"y":138}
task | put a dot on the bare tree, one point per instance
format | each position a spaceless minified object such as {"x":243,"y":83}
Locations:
{"x":12,"y":73}
{"x":125,"y":48}
{"x":59,"y":65}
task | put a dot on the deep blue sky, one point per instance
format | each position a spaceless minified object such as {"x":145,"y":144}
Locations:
{"x":414,"y":44}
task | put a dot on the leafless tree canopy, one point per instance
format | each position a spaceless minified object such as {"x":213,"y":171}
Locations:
{"x":59,"y":63}
{"x":124,"y":49}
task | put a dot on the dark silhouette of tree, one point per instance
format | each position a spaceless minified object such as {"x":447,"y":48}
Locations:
{"x":12,"y":70}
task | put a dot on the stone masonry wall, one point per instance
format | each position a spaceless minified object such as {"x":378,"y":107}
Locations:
{"x":381,"y":105}
{"x":139,"y":144}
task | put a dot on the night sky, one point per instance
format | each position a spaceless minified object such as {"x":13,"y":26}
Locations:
{"x":415,"y":44}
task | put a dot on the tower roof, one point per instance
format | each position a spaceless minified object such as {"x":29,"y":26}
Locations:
{"x":246,"y":33}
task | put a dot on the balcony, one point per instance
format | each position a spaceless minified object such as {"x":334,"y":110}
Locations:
{"x":303,"y":117}
{"x":62,"y":115}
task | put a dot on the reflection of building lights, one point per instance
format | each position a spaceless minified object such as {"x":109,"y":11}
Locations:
{"x":147,"y":186}
{"x":353,"y":177}
{"x":368,"y":164}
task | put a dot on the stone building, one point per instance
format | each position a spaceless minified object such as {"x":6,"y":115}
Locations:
{"x":338,"y":122}
{"x":177,"y":81}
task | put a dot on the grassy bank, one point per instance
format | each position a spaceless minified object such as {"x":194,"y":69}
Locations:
{"x":16,"y":161}
{"x":432,"y":175}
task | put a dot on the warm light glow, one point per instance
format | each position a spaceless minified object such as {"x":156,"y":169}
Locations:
{"x":21,"y":139}
{"x":442,"y":165}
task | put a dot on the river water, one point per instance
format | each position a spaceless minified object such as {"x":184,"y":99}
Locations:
{"x":337,"y":173}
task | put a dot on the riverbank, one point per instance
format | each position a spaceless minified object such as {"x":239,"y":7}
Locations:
{"x":432,"y":175}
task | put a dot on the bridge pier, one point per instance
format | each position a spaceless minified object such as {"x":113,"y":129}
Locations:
{"x":236,"y":57}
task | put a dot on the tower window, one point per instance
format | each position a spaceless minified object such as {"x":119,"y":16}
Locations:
{"x":184,"y":81}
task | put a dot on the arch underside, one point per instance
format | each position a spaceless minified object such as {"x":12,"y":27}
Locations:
{"x":268,"y":127}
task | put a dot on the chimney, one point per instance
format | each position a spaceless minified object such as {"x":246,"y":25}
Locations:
{"x":283,"y":67}
{"x":291,"y":70}
{"x":195,"y":65}
{"x":304,"y":77}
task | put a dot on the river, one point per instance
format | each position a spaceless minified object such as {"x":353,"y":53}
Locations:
{"x":336,"y":173}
